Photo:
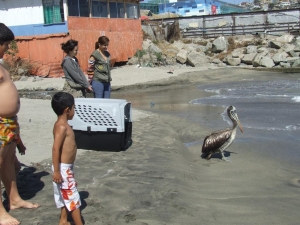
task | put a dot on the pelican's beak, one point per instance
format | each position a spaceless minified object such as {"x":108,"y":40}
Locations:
{"x":240,"y":125}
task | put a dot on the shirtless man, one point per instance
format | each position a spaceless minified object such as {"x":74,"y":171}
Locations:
{"x":9,"y":131}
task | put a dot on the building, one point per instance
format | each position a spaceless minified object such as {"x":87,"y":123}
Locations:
{"x":192,"y":7}
{"x":40,"y":26}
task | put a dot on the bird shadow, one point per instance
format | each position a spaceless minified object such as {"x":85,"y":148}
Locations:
{"x":218,"y":155}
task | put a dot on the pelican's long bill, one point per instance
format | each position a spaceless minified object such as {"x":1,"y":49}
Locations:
{"x":240,"y":125}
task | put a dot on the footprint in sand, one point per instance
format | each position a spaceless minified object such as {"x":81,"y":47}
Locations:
{"x":295,"y":182}
{"x":129,"y":217}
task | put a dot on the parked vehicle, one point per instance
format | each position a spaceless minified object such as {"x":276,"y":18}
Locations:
{"x":285,"y":4}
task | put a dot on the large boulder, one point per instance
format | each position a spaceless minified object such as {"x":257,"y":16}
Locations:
{"x":201,"y":48}
{"x":285,"y":38}
{"x":257,"y":59}
{"x":133,"y":61}
{"x":262,"y":50}
{"x":178,"y":44}
{"x":219,"y":45}
{"x":154,"y":48}
{"x":291,"y":60}
{"x":293,"y":53}
{"x":285,"y":65}
{"x":216,"y":61}
{"x":233,"y":61}
{"x":266,"y":61}
{"x":196,"y":59}
{"x":280,"y":57}
{"x":192,"y":47}
{"x":251,"y":49}
{"x":248,"y":58}
{"x":296,"y":63}
{"x":297,"y":49}
{"x":182,"y":56}
{"x":209,"y":46}
{"x":146,"y":44}
{"x":171,"y":53}
{"x":275,"y":44}
{"x":238,"y":53}
{"x":288,"y":47}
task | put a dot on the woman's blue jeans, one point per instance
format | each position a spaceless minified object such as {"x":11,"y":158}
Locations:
{"x":101,"y":90}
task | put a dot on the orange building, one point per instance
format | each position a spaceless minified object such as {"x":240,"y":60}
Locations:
{"x":57,"y":21}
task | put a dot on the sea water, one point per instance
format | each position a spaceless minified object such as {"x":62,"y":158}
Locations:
{"x":264,"y":105}
{"x":268,"y":109}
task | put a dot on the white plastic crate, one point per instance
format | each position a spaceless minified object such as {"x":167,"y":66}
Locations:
{"x":98,"y":114}
{"x":102,"y":124}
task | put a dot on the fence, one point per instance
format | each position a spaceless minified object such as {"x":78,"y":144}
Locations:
{"x":269,"y":22}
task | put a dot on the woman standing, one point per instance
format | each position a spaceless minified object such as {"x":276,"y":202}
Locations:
{"x":76,"y":83}
{"x":100,"y":60}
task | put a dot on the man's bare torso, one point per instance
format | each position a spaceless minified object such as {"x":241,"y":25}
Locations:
{"x":9,"y":100}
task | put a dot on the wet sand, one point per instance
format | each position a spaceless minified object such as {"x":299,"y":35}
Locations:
{"x":158,"y":180}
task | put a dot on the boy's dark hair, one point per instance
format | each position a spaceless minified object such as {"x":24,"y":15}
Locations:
{"x":69,"y":45}
{"x":60,"y":101}
{"x":5,"y":34}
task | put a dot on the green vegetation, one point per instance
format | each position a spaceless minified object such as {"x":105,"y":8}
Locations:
{"x":13,"y":49}
{"x":13,"y":63}
{"x":158,"y":56}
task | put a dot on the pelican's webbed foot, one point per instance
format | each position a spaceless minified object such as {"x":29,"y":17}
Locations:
{"x":227,"y":159}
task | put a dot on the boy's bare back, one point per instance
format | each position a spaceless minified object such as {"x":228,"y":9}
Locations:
{"x":9,"y":101}
{"x":65,"y":139}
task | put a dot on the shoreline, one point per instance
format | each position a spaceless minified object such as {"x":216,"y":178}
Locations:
{"x":33,"y":115}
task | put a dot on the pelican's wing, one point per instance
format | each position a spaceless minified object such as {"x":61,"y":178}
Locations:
{"x":215,"y":140}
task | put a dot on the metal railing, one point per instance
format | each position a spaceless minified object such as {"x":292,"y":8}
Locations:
{"x":264,"y":24}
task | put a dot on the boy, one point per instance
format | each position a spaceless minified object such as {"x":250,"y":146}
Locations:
{"x":64,"y":151}
{"x":9,"y":133}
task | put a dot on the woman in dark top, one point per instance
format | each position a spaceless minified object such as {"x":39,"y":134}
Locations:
{"x":76,"y":82}
{"x":100,"y":61}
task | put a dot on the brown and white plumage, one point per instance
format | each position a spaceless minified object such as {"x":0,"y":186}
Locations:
{"x":219,"y":140}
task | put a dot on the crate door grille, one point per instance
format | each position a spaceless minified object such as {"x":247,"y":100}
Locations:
{"x":95,"y":116}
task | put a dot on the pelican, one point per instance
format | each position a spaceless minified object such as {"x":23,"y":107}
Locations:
{"x":219,"y":140}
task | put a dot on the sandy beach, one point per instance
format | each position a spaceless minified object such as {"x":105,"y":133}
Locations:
{"x":157,"y":181}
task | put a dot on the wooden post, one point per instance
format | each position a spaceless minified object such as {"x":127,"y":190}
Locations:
{"x":108,"y":9}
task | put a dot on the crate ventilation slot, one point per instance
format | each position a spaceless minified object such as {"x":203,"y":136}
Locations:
{"x":95,"y":116}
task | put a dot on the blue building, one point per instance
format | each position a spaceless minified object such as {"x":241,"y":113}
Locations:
{"x":195,"y":7}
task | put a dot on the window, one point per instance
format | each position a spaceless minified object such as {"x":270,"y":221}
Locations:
{"x":116,"y":10}
{"x":99,"y":8}
{"x":79,"y":8}
{"x":53,"y":11}
{"x":132,"y":10}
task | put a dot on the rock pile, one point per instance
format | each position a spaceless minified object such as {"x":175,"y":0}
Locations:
{"x":251,"y":51}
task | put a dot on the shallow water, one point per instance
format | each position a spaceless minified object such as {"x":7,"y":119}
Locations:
{"x":268,"y":108}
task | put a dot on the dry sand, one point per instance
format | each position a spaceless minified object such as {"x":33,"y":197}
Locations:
{"x":157,"y":181}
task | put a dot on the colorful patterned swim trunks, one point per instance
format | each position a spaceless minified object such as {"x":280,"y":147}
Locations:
{"x":9,"y":130}
{"x":66,"y":193}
